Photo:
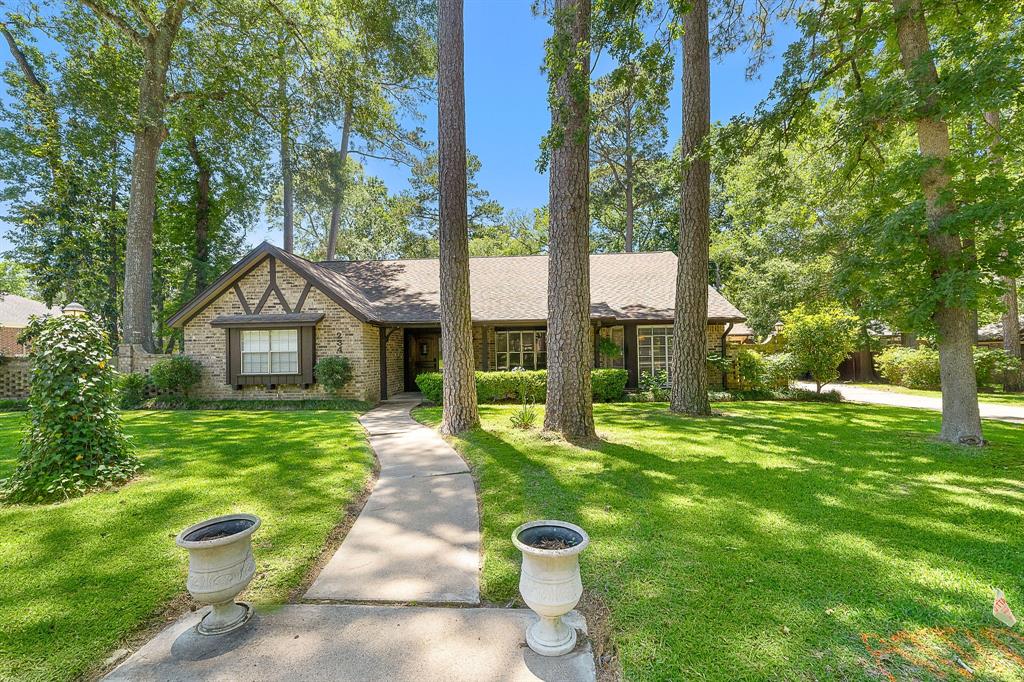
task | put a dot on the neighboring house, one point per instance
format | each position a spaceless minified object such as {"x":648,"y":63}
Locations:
{"x":260,"y":328}
{"x":991,"y":335}
{"x":15,"y":312}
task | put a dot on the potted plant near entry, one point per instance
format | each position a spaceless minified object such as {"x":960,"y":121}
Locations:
{"x":220,"y":565}
{"x":550,"y":581}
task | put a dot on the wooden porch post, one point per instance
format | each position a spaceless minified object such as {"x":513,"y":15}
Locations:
{"x":383,"y":336}
{"x":630,"y":355}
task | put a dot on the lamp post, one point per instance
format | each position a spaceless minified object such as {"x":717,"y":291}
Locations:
{"x":74,"y":309}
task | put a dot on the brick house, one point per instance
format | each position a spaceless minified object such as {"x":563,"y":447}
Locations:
{"x":15,"y":312}
{"x":260,"y":328}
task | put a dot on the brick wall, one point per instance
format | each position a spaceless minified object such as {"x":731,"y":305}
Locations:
{"x":15,"y":377}
{"x":9,"y":341}
{"x":339,"y":333}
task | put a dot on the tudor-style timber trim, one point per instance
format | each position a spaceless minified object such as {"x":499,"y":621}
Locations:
{"x":241,"y":299}
{"x":251,"y":261}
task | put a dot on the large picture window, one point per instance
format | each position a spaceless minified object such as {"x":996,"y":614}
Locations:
{"x":654,"y":348}
{"x":270,"y":351}
{"x":525,"y":348}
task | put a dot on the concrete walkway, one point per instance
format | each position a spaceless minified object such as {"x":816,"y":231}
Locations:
{"x":416,"y":540}
{"x":861,"y":394}
{"x":418,"y":537}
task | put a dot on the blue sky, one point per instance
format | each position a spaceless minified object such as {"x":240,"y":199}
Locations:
{"x":506,"y":102}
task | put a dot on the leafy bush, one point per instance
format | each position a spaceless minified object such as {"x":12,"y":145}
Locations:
{"x":499,"y":387}
{"x":757,"y":371}
{"x":654,"y":386}
{"x":334,"y":373}
{"x":429,"y":384}
{"x":131,"y":390}
{"x":13,"y":405}
{"x":74,"y":441}
{"x":177,"y":374}
{"x":819,"y":340}
{"x":609,"y":385}
{"x":992,"y":364}
{"x":910,"y":367}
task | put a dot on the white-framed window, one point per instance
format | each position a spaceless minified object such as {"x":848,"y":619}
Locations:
{"x":654,"y":348}
{"x":270,"y":351}
{"x":526,"y":348}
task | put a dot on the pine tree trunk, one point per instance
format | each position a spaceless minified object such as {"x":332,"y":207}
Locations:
{"x":630,"y":209}
{"x":1011,"y":317}
{"x":201,"y":252}
{"x":288,"y":187}
{"x":137,"y":314}
{"x":961,"y":421}
{"x":569,"y":336}
{"x":459,"y":387}
{"x":340,"y":178}
{"x":690,"y":330}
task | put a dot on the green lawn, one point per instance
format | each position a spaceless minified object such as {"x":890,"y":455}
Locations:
{"x":80,"y":577}
{"x":785,"y":541}
{"x":995,"y":396}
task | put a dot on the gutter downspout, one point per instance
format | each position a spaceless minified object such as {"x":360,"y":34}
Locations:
{"x":722,"y":346}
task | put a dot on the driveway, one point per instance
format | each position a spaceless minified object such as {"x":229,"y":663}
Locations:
{"x":860,"y":394}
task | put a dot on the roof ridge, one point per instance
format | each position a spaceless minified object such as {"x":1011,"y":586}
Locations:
{"x":495,"y":257}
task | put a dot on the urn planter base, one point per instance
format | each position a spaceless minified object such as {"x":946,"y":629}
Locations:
{"x":550,"y":581}
{"x":225,"y":617}
{"x":551,"y":637}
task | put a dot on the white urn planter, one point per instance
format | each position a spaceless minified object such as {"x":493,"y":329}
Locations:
{"x":220,"y":565}
{"x":550,"y":581}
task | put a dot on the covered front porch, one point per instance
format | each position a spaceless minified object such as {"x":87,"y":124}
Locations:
{"x":645,"y":347}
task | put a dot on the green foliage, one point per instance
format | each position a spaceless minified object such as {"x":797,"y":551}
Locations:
{"x":131,"y":390}
{"x":13,"y":405}
{"x":608,"y":348}
{"x":819,"y":340}
{"x":608,"y":385}
{"x":526,"y":415}
{"x":499,"y":387}
{"x":74,"y":441}
{"x":992,"y":364}
{"x":177,"y":374}
{"x":13,"y":278}
{"x":919,"y":367}
{"x":654,"y":386}
{"x":910,"y":367}
{"x":758,"y":371}
{"x":333,"y":373}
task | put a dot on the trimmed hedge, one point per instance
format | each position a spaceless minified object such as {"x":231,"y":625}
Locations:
{"x":608,"y":385}
{"x":919,"y":367}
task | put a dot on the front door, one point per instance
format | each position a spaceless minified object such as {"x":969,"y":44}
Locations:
{"x":422,"y":354}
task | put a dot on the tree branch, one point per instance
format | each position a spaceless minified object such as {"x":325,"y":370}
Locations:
{"x":23,"y":63}
{"x":117,"y":20}
{"x":144,"y":16}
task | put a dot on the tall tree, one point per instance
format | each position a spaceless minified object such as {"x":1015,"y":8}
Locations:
{"x":1011,"y":314}
{"x":568,"y":408}
{"x":460,"y":411}
{"x":155,"y":39}
{"x":629,"y":131}
{"x":689,"y":380}
{"x":961,"y":420}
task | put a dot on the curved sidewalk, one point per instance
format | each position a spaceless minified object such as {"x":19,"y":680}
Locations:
{"x":418,"y":537}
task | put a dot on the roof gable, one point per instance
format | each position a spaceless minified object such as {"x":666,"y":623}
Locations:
{"x":623,"y":286}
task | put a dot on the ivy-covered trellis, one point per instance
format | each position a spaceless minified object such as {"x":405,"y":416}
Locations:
{"x":74,"y":442}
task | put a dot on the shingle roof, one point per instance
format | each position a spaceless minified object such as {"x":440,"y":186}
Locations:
{"x":15,"y":310}
{"x":623,"y":286}
{"x":993,"y":332}
{"x":626,"y":286}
